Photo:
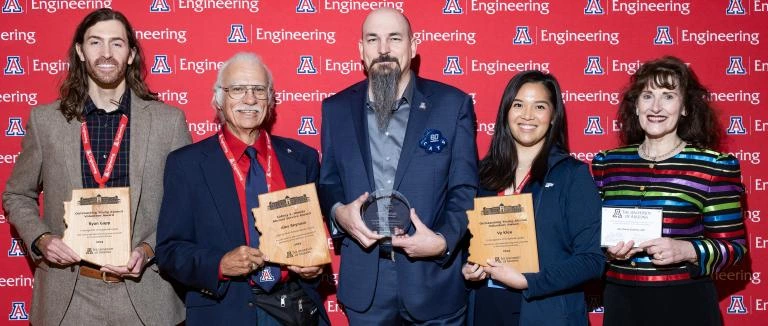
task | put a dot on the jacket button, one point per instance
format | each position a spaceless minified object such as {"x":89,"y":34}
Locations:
{"x":250,"y":304}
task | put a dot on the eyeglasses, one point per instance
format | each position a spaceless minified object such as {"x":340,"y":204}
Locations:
{"x":237,"y":92}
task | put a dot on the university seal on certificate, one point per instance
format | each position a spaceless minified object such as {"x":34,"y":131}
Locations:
{"x":291,"y":227}
{"x":503,"y":230}
{"x":98,"y":224}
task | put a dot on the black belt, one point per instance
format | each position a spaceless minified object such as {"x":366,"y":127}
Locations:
{"x":385,"y":250}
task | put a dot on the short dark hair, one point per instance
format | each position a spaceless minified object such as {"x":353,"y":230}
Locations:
{"x":497,"y":168}
{"x":699,"y":125}
{"x":74,"y":88}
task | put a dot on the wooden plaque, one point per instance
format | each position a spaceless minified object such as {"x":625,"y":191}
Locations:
{"x":503,"y":230}
{"x":291,"y":227}
{"x":98,"y":224}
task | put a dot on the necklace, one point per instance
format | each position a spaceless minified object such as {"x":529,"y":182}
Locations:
{"x":643,"y":152}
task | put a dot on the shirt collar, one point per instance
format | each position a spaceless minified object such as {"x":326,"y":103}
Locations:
{"x":237,"y":146}
{"x":123,"y":108}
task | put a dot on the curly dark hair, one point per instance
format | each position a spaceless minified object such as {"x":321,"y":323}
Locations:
{"x":497,"y":168}
{"x":74,"y":88}
{"x":698,"y":127}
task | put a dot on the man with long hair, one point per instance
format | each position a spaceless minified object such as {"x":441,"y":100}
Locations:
{"x":106,"y":130}
{"x":397,"y":131}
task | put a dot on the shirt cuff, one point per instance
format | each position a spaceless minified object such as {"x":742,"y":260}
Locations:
{"x":335,"y":229}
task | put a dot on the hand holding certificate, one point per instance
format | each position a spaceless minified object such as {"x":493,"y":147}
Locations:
{"x":503,"y":230}
{"x":99,"y":225}
{"x":291,"y":226}
{"x":629,"y":223}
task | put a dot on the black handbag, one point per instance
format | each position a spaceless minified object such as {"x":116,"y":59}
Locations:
{"x":288,"y":304}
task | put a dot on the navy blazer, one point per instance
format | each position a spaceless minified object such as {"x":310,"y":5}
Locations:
{"x":200,"y":221}
{"x":440,"y":185}
{"x":567,"y":210}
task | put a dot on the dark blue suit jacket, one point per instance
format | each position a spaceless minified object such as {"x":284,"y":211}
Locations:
{"x":200,"y":221}
{"x":439,"y":185}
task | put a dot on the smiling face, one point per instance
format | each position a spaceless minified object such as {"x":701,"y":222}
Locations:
{"x":530,"y":115}
{"x":106,"y":54}
{"x":247,"y":114}
{"x":659,"y":111}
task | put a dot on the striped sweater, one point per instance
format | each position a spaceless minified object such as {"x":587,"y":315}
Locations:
{"x":700,"y":194}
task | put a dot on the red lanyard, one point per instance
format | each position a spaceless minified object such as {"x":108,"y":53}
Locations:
{"x":102,"y":179}
{"x":233,"y":161}
{"x":519,"y":188}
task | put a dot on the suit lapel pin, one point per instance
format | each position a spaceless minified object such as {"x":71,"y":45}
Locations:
{"x":422,"y":106}
{"x":433,"y":141}
{"x":288,"y":150}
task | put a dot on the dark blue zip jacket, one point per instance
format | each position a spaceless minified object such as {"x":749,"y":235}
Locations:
{"x":567,"y":215}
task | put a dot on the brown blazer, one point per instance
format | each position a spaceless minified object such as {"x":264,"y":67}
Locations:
{"x":50,"y":162}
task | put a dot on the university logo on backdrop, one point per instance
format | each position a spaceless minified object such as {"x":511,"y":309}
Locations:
{"x":307,"y":126}
{"x":593,"y":67}
{"x":15,"y":127}
{"x":593,"y":7}
{"x":736,"y":66}
{"x":159,"y":6}
{"x":17,"y":248}
{"x":13,"y":66}
{"x":735,"y":7}
{"x":452,"y":7}
{"x":306,"y":65}
{"x":593,"y":127}
{"x":736,"y":126}
{"x":522,"y":37}
{"x":237,"y":34}
{"x":737,"y":306}
{"x":305,"y":7}
{"x":160,"y":65}
{"x":452,"y":66}
{"x":662,"y":36}
{"x":18,"y":311}
{"x":12,"y":7}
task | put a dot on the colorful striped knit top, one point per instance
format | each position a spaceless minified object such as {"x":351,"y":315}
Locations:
{"x":700,"y":193}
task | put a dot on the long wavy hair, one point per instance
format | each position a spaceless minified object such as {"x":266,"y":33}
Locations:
{"x":497,"y":168}
{"x":699,"y":125}
{"x":74,"y":88}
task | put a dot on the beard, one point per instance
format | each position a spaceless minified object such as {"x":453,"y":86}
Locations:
{"x":106,"y":79}
{"x":383,"y":81}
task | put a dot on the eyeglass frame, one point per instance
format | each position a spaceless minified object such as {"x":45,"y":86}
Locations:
{"x":251,"y":88}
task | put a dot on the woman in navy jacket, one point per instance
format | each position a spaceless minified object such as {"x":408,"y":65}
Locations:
{"x":528,"y":154}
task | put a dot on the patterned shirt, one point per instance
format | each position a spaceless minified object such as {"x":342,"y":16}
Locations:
{"x":102,"y":126}
{"x":699,"y":192}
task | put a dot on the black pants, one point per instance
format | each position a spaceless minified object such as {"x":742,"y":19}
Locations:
{"x":679,"y":305}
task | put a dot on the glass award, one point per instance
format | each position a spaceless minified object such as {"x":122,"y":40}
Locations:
{"x":386,"y":212}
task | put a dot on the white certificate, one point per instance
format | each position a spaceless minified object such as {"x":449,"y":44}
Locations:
{"x":629,"y":223}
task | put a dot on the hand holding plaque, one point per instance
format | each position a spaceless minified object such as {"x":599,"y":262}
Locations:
{"x":99,"y":225}
{"x":291,"y":227}
{"x":387,"y":213}
{"x":503,"y":230}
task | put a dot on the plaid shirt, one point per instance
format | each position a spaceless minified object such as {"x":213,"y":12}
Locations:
{"x":102,"y":127}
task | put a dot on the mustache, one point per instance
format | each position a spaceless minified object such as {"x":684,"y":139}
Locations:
{"x":384,"y":58}
{"x":103,"y":60}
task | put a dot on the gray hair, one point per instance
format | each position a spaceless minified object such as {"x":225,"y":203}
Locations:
{"x":218,"y":92}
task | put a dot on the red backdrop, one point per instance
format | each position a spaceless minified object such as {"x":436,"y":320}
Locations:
{"x":592,"y":46}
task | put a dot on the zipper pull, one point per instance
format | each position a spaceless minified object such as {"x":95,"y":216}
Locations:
{"x":282,"y":301}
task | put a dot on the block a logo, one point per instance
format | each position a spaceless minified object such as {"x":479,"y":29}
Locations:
{"x":306,"y":66}
{"x":662,"y":36}
{"x":15,"y":128}
{"x":452,"y":66}
{"x":18,"y":311}
{"x":159,"y":6}
{"x":13,"y":66}
{"x":593,"y":126}
{"x":161,"y":65}
{"x":736,"y":126}
{"x":12,"y":7}
{"x":237,"y":34}
{"x":452,"y":7}
{"x":521,"y":36}
{"x":305,"y":7}
{"x":593,"y":7}
{"x":737,"y":307}
{"x":307,"y":126}
{"x":735,"y":8}
{"x":17,"y":248}
{"x":736,"y":66}
{"x":593,"y":66}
